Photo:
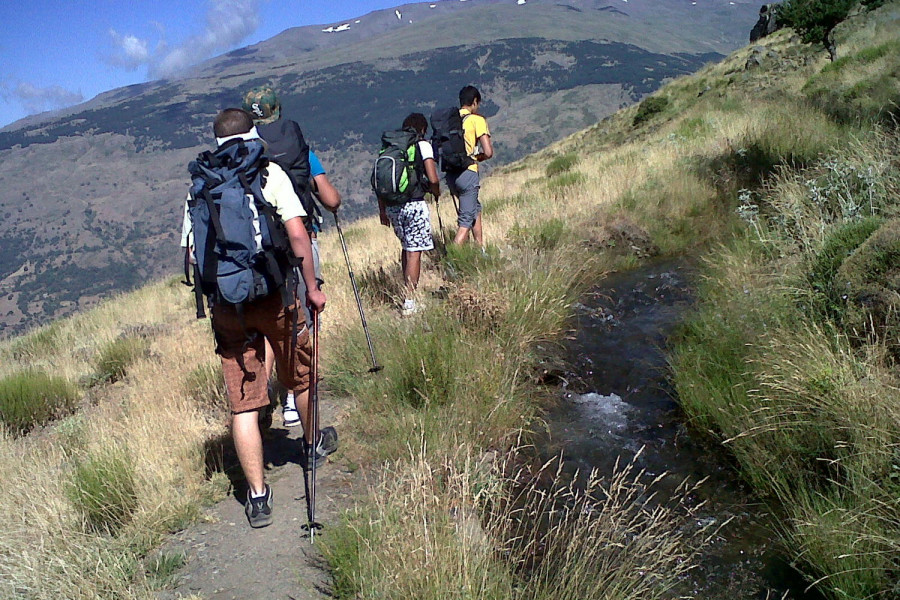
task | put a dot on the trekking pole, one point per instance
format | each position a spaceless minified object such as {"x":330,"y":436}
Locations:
{"x":362,"y":315}
{"x":312,"y":422}
{"x":437,"y":209}
{"x":455,"y":203}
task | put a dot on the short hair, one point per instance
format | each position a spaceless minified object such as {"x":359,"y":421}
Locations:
{"x":232,"y":121}
{"x":468,"y":95}
{"x":416,"y":121}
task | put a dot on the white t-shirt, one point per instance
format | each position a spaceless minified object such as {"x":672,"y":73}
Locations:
{"x":278,"y":191}
{"x":426,"y":150}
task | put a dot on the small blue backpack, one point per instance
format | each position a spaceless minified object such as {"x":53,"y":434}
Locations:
{"x":240,"y":244}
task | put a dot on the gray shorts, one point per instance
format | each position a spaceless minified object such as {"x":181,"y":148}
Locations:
{"x":465,"y":186}
{"x":412,"y":225}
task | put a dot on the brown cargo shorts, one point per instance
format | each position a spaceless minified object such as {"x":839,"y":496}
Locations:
{"x":243,"y":359}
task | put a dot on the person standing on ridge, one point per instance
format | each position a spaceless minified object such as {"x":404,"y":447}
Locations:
{"x":411,"y":220}
{"x":241,"y":330}
{"x":466,"y":185}
{"x":288,"y":149}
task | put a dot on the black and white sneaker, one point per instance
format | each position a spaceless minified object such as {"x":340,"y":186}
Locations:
{"x":259,"y":510}
{"x":328,"y":444}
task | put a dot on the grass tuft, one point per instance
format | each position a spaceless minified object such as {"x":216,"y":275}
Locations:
{"x":103,"y":488}
{"x":32,"y":398}
{"x":116,"y":357}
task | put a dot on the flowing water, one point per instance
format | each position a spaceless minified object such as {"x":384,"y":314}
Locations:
{"x":618,"y":399}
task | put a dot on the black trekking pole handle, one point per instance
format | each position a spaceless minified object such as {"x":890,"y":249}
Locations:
{"x":362,"y":315}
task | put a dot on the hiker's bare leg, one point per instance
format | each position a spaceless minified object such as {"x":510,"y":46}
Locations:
{"x":302,"y":399}
{"x":477,"y":232}
{"x":248,"y":444}
{"x":411,"y":269}
{"x":403,"y":262}
{"x":462,"y":234}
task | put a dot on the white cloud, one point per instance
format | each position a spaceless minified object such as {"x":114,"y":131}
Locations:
{"x":35,"y":99}
{"x":228,"y":22}
{"x":132,"y":53}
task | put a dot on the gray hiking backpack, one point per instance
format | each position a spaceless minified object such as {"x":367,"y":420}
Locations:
{"x":240,"y":243}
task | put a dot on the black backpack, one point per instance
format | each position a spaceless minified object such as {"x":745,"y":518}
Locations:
{"x":289,"y":150}
{"x":448,"y":140}
{"x":240,"y":243}
{"x":398,"y":173}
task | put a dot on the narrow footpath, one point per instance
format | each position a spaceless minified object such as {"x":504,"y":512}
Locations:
{"x":228,"y":560}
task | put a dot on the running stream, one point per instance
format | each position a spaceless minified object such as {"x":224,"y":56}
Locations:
{"x":618,"y":399}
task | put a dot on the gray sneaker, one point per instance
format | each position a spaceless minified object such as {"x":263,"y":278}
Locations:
{"x":259,"y":510}
{"x":328,"y":444}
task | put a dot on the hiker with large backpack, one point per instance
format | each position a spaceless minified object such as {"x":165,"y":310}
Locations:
{"x":403,"y":172}
{"x":289,"y":150}
{"x":249,"y":244}
{"x":462,"y":139}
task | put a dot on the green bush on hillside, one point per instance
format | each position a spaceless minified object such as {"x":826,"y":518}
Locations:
{"x":561,"y":164}
{"x":829,"y":298}
{"x":32,"y":398}
{"x":815,"y":20}
{"x":648,"y":108}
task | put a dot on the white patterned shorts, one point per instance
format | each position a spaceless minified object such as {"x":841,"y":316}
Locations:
{"x":412,"y":224}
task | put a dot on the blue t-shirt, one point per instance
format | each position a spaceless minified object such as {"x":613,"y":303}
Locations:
{"x":315,"y":165}
{"x":315,"y":168}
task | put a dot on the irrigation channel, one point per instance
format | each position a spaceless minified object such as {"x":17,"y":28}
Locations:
{"x":618,"y":398}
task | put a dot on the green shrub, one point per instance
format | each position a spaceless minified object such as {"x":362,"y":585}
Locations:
{"x":102,"y":487}
{"x":828,"y":300}
{"x":561,"y":164}
{"x":32,"y":398}
{"x":117,"y":356}
{"x":648,"y":108}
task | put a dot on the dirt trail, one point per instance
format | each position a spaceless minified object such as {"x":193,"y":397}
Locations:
{"x":227,"y":559}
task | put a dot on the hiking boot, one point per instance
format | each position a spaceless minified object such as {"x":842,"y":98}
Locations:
{"x":290,"y":416}
{"x":409,"y":308}
{"x":328,"y":444}
{"x":259,"y":510}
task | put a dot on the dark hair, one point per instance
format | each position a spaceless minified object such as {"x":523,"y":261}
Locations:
{"x":416,"y":121}
{"x":468,"y":95}
{"x":232,"y":121}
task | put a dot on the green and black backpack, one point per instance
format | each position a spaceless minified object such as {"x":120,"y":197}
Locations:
{"x":398,"y":174}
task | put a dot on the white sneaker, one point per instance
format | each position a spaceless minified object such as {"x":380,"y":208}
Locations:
{"x":290,"y":416}
{"x":409,"y":307}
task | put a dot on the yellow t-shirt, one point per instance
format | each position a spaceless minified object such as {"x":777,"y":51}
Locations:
{"x":474,"y":126}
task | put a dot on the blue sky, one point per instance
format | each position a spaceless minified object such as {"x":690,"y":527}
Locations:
{"x":55,"y":53}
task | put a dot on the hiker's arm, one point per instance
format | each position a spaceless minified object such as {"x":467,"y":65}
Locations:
{"x":328,"y":195}
{"x":433,"y":179}
{"x":487,"y":150}
{"x":302,"y":249}
{"x":382,"y":214}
